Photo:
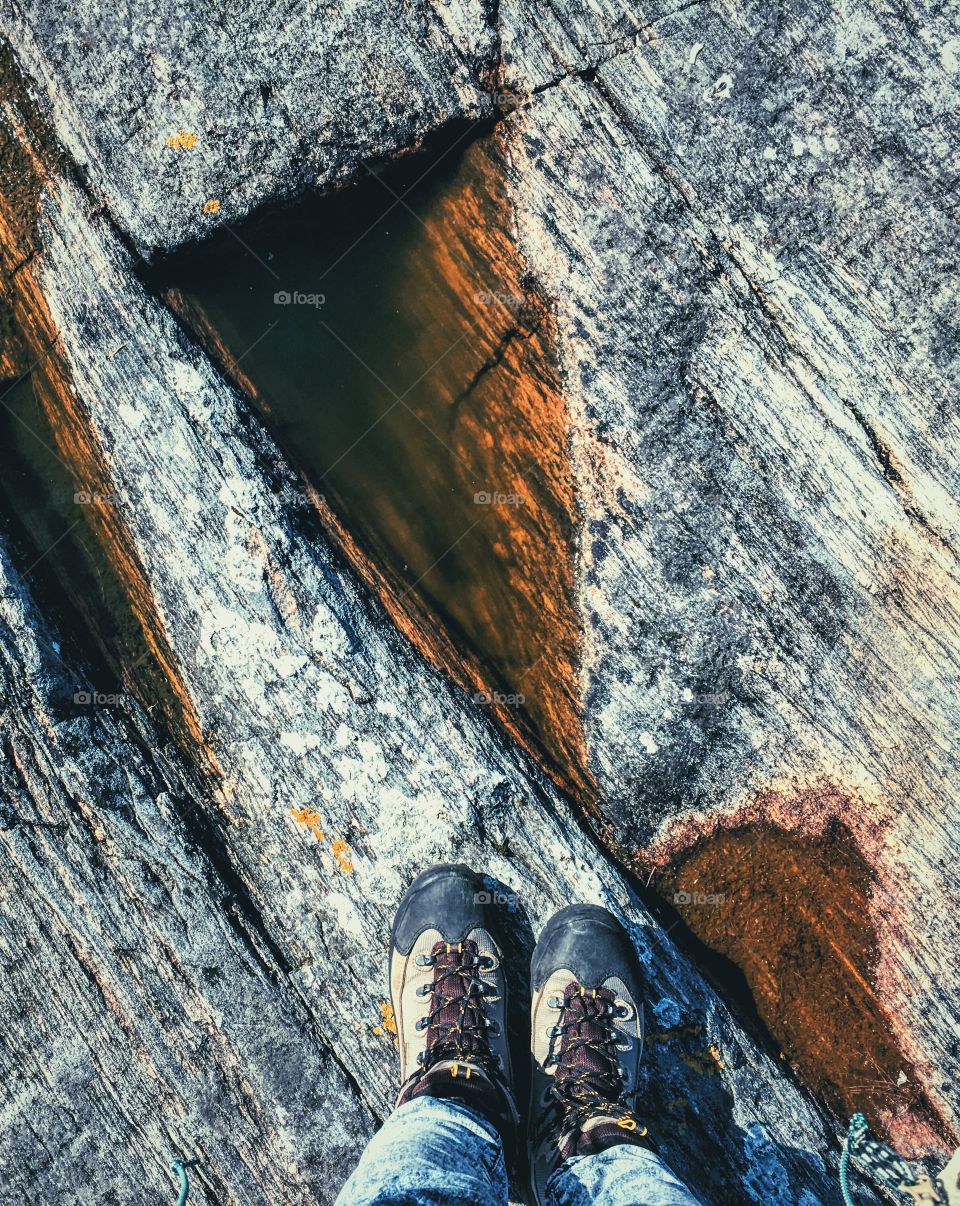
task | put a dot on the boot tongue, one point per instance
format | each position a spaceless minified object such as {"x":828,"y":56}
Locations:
{"x":458,"y":1028}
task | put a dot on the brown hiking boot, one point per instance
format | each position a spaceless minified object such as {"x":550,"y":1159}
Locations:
{"x":449,"y":996}
{"x":586,"y":1040}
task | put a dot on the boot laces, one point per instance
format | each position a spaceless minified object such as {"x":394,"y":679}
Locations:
{"x":588,"y":1081}
{"x":456,"y":1023}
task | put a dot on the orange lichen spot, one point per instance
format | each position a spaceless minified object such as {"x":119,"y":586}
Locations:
{"x":310,"y":819}
{"x":212,"y":206}
{"x":341,"y":852}
{"x":714,"y":1052}
{"x":387,"y":1018}
{"x":707,"y":1062}
{"x":182,"y":141}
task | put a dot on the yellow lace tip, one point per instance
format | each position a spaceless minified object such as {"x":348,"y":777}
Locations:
{"x":629,"y":1124}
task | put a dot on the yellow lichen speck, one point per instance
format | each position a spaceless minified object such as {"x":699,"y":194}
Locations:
{"x":341,"y":852}
{"x":388,"y":1023}
{"x":212,"y":206}
{"x":182,"y":141}
{"x":310,"y":819}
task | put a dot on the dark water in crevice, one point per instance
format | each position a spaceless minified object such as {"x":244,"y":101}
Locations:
{"x":391,"y":342}
{"x":46,"y":516}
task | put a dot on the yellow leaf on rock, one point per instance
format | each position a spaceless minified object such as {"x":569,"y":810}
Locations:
{"x":212,"y":206}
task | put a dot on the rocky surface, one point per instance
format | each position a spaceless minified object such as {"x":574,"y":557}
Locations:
{"x":171,"y":109}
{"x":148,"y":1014}
{"x":747,"y":221}
{"x":341,"y":763}
{"x":757,"y":348}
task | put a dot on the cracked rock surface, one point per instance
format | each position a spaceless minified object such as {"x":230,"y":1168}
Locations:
{"x":747,"y":221}
{"x":743,"y":222}
{"x":186,"y":116}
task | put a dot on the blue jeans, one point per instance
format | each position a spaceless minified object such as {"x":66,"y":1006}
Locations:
{"x":440,"y":1153}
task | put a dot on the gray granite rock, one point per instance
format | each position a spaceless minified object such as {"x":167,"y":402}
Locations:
{"x":169,"y":108}
{"x":744,"y":222}
{"x":747,"y":222}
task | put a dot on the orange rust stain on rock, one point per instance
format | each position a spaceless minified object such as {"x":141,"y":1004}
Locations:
{"x":507,"y":423}
{"x":33,"y":348}
{"x":792,"y":911}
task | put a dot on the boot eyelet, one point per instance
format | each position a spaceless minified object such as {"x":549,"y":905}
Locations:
{"x":555,"y":1003}
{"x":422,"y":1024}
{"x":424,"y":990}
{"x":424,"y":961}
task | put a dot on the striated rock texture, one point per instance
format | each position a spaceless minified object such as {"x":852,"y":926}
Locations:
{"x":168,"y":110}
{"x":743,"y":223}
{"x":747,"y":220}
{"x":339,"y":764}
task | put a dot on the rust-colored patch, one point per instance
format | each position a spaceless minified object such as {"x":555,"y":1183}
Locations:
{"x":310,"y":819}
{"x":793,"y":912}
{"x":211,"y":206}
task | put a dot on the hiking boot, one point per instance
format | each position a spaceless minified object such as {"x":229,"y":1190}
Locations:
{"x":586,"y":1040}
{"x":449,"y":995}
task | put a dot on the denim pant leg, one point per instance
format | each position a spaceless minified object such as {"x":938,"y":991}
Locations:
{"x":438,"y":1153}
{"x":623,"y":1175}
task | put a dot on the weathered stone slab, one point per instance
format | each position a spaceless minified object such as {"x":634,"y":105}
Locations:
{"x":147,"y":1016}
{"x":186,"y":117}
{"x":342,"y":763}
{"x":746,"y":220}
